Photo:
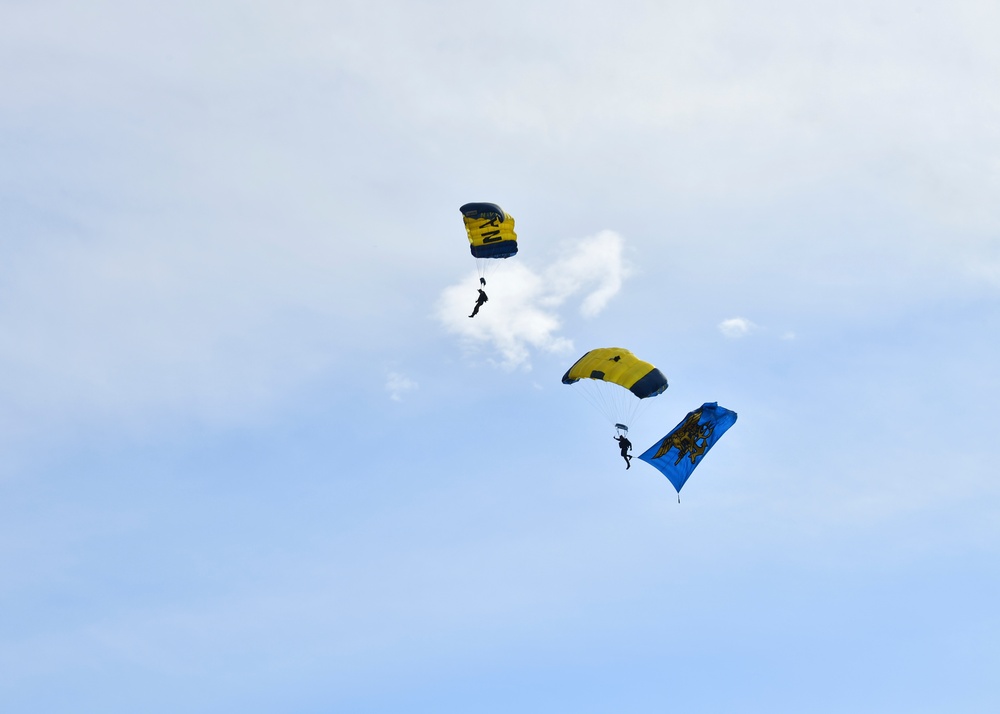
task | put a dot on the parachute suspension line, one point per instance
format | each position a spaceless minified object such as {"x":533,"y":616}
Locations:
{"x":487,"y":267}
{"x":638,"y":407}
{"x":602,"y":397}
{"x":624,"y":406}
{"x":619,"y":406}
{"x":594,"y":398}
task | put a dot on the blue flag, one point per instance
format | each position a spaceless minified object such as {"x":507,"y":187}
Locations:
{"x":679,"y":452}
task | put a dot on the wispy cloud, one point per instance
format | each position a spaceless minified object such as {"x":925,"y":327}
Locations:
{"x":595,"y":265}
{"x":524,"y":308}
{"x":736,"y":327}
{"x":398,"y":384}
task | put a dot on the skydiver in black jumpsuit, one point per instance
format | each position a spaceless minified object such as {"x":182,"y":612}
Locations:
{"x":626,"y":445}
{"x":479,"y":302}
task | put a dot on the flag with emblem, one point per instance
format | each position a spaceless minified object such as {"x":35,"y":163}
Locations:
{"x":678,"y":453}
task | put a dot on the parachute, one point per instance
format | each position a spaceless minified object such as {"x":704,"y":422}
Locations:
{"x":491,"y":235}
{"x":678,"y":453}
{"x":616,"y":383}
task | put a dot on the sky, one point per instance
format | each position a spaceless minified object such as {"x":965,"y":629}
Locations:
{"x":255,"y":457}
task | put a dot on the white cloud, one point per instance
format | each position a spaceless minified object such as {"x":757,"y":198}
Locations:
{"x":397,"y":384}
{"x":736,"y":327}
{"x":523,"y":308}
{"x":596,"y":261}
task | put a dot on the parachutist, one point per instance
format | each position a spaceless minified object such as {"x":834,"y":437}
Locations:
{"x":491,"y":236}
{"x":626,"y":445}
{"x":479,"y":302}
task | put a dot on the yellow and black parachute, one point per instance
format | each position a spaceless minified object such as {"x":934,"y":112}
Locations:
{"x":491,"y":235}
{"x":616,"y":382}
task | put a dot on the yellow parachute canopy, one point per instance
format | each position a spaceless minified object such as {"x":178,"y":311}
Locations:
{"x":615,"y":381}
{"x":491,"y":235}
{"x":613,"y":364}
{"x":491,"y":231}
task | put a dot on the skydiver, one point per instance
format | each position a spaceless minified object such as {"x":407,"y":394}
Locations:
{"x":482,"y":281}
{"x":626,"y":445}
{"x":479,"y":302}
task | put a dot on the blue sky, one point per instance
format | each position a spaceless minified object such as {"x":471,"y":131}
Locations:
{"x":256,"y":458}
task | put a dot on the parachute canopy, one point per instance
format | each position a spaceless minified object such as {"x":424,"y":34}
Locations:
{"x":678,"y":453}
{"x":621,"y":367}
{"x":491,"y":231}
{"x":616,"y":383}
